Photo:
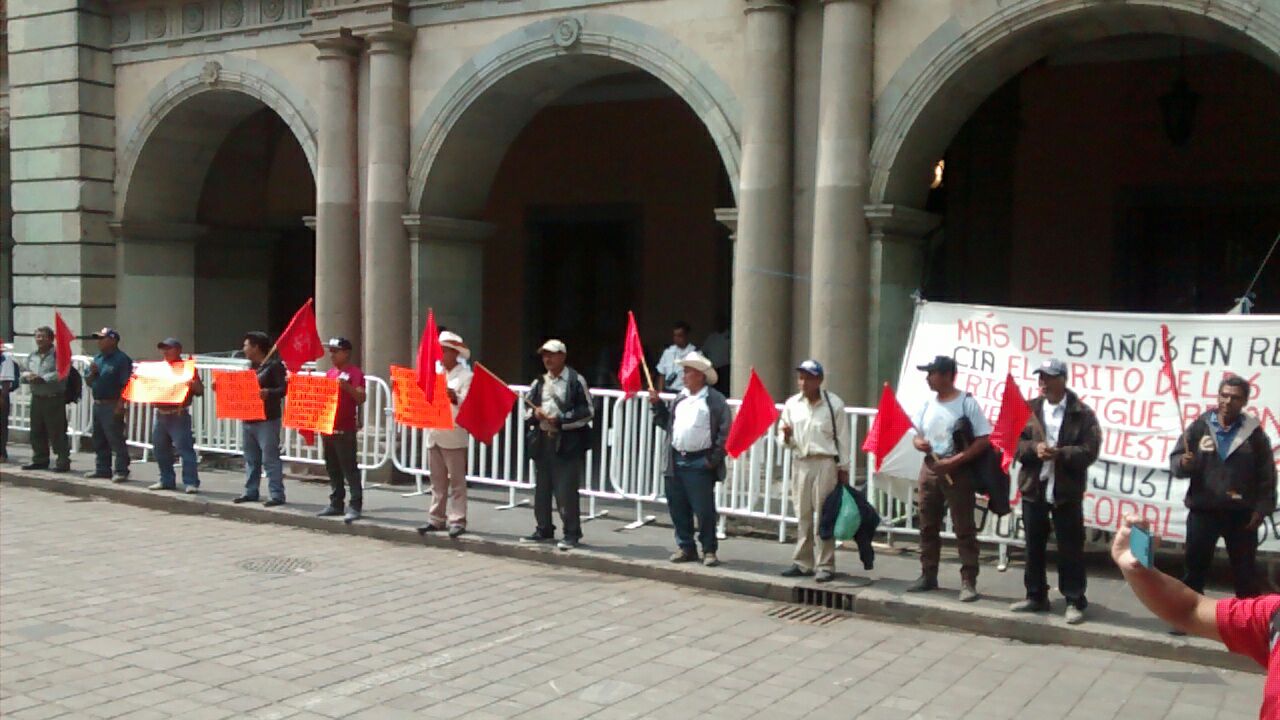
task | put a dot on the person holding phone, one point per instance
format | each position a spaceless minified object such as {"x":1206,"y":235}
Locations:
{"x":1055,"y":449}
{"x":1246,"y":626}
{"x":1228,"y":457}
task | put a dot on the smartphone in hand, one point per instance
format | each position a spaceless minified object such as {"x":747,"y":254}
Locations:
{"x":1141,"y":546}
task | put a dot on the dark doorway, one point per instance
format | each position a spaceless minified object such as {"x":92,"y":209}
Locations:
{"x":583,"y":274}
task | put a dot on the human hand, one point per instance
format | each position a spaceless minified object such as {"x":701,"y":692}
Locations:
{"x":1254,"y":521}
{"x":1187,"y":460}
{"x":264,"y":393}
{"x":1045,"y":452}
{"x":653,"y":397}
{"x":453,"y":397}
{"x":787,"y":432}
{"x":1120,"y":552}
{"x":921,"y":444}
{"x":842,"y":477}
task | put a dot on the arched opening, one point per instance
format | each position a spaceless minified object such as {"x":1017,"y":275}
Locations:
{"x":212,"y":240}
{"x":597,"y":186}
{"x":1133,"y":173}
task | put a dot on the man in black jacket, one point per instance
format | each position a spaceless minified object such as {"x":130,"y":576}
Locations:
{"x":697,"y":426}
{"x":1228,"y":457}
{"x":558,"y":433}
{"x":1056,"y":449}
{"x":261,"y":439}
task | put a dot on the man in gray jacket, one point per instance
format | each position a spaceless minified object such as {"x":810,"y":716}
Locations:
{"x":48,"y":405}
{"x":697,"y":426}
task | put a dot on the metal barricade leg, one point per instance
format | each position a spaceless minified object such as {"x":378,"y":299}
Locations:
{"x":641,"y":519}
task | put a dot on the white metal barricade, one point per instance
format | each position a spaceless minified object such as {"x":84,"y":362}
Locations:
{"x":79,"y":415}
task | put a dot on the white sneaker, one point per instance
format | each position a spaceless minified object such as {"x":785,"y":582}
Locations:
{"x":160,"y":486}
{"x":1074,"y":615}
{"x":191,"y":490}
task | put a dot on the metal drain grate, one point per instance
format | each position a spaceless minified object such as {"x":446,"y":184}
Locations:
{"x":819,"y":597}
{"x":806,"y":615}
{"x":276,"y":565}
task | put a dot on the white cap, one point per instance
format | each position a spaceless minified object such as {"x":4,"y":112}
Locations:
{"x":553,"y":346}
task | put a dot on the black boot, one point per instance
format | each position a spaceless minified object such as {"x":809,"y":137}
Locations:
{"x":924,"y":583}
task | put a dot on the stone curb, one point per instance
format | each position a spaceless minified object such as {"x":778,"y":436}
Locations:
{"x":867,"y":602}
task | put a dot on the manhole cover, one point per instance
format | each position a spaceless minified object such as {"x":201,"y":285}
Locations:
{"x":276,"y":565}
{"x":805,"y":615}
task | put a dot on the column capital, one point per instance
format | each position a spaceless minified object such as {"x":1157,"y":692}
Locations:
{"x":728,"y":217}
{"x":432,"y":228}
{"x":392,"y":37}
{"x":337,"y":44}
{"x":899,"y":222}
{"x":773,"y":5}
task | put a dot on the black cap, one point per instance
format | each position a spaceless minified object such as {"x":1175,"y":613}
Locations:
{"x":106,"y":332}
{"x":941,"y":363}
{"x":338,"y":343}
{"x":169,"y":342}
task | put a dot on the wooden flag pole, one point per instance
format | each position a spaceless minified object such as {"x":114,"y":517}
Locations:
{"x":647,"y":377}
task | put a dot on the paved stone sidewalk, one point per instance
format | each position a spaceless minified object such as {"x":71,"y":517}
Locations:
{"x":751,"y":564}
{"x":115,"y":611}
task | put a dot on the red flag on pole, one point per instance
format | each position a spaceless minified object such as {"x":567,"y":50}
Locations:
{"x":632,"y":358}
{"x":1014,"y":414}
{"x":486,"y":407}
{"x":888,"y":428}
{"x":756,"y":415}
{"x":300,"y":342}
{"x":1166,"y":370}
{"x":429,"y":352}
{"x":62,"y":337}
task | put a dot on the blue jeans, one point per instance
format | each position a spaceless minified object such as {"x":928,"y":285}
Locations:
{"x":262,"y":451}
{"x":691,"y":493}
{"x":171,"y":431}
{"x":108,"y":438}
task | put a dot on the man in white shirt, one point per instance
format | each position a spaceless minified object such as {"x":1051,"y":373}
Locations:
{"x":1056,"y":448}
{"x":946,"y":478}
{"x":671,"y":376}
{"x":814,"y":426}
{"x":697,"y":426}
{"x":448,"y":448}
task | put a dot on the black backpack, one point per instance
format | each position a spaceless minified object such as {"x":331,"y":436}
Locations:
{"x":75,"y":387}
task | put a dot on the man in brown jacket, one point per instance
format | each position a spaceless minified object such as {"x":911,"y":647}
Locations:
{"x":1056,"y":449}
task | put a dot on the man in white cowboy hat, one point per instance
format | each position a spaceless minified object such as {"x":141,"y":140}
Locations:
{"x":813,"y":425}
{"x":448,"y":448}
{"x":697,"y":425}
{"x":558,"y":435}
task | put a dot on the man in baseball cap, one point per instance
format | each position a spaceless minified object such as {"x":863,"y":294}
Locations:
{"x":109,"y":373}
{"x":171,"y":430}
{"x":341,"y":459}
{"x":558,"y":435}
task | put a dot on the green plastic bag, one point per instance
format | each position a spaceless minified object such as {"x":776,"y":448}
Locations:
{"x":849,"y":519}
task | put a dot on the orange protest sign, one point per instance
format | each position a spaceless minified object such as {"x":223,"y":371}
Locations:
{"x":311,"y":403}
{"x":236,"y":394}
{"x":160,"y":382}
{"x":410,"y":403}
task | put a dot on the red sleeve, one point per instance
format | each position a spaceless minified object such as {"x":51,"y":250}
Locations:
{"x":357,"y":377}
{"x":1245,"y":625}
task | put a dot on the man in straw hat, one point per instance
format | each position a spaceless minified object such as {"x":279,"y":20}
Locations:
{"x":697,"y":425}
{"x":448,"y":448}
{"x":558,"y":436}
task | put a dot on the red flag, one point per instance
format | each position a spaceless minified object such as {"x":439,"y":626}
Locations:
{"x":1014,"y":414}
{"x":486,"y":407}
{"x":756,"y":415}
{"x":300,"y":342}
{"x":62,"y":337}
{"x":429,"y":352}
{"x":888,"y":428}
{"x":632,"y":358}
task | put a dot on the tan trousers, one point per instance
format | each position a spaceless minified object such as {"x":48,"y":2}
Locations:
{"x":812,"y":479}
{"x":448,"y":486}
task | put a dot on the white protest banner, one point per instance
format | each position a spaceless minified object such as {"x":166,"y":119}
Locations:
{"x":1114,"y":362}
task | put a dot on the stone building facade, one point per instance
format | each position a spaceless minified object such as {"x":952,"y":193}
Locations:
{"x":532,"y":167}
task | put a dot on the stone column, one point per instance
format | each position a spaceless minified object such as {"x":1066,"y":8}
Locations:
{"x":762,"y":253}
{"x":387,"y":296}
{"x":61,"y":142}
{"x":838,"y":295}
{"x":337,"y":186}
{"x":448,"y":274}
{"x":899,"y":238}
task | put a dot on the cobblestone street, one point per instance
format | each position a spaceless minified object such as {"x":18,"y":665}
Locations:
{"x":114,"y":611}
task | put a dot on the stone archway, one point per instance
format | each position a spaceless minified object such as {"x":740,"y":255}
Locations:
{"x":934,"y":92}
{"x":463,"y":136}
{"x":203,"y":241}
{"x":952,"y":72}
{"x":513,"y":73}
